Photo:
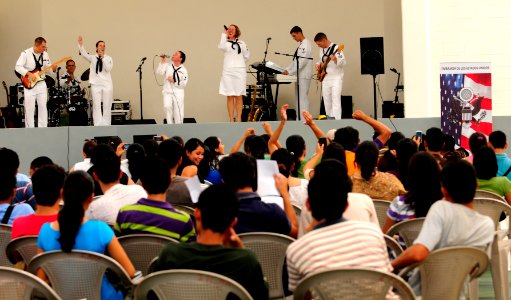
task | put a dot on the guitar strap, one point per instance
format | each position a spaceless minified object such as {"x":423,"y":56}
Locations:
{"x":38,"y":61}
{"x":328,"y":52}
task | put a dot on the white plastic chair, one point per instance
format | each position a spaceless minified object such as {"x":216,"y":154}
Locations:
{"x":381,"y":207}
{"x":20,"y":285}
{"x":24,"y":248}
{"x":408,"y":230}
{"x":5,"y":238}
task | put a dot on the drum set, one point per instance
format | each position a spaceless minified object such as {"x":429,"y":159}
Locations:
{"x":68,"y":106}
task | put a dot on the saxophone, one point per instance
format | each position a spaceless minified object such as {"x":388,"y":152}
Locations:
{"x":252,"y":114}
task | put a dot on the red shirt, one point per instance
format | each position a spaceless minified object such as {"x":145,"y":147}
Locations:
{"x":30,"y":225}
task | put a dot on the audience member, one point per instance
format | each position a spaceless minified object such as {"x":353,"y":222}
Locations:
{"x":10,"y":162}
{"x":475,"y":141}
{"x":434,"y":143}
{"x":216,"y":146}
{"x":47,"y":182}
{"x":498,"y":142}
{"x":87,"y":149}
{"x":238,"y":172}
{"x":451,"y":221}
{"x":135,"y":156}
{"x":8,"y":210}
{"x":73,"y":231}
{"x":192,"y":155}
{"x":297,"y":186}
{"x":485,"y":164}
{"x":39,"y":162}
{"x":218,"y":248}
{"x":388,"y":157}
{"x":107,"y":172}
{"x":153,"y":214}
{"x":405,"y":149}
{"x":335,"y":242}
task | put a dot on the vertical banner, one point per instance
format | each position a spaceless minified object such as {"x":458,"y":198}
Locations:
{"x":465,"y":93}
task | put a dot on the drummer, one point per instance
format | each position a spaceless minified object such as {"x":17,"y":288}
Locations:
{"x":69,"y":80}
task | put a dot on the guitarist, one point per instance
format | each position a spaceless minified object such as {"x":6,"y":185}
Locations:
{"x":331,"y":86}
{"x":35,"y":58}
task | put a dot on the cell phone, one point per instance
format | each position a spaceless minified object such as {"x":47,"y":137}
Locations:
{"x":418,"y":134}
{"x":126,"y":146}
{"x":157,"y":138}
{"x":322,"y":141}
{"x":225,"y":27}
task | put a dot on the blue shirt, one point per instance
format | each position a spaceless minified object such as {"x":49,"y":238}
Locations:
{"x":92,"y":236}
{"x":504,"y":163}
{"x":19,"y":210}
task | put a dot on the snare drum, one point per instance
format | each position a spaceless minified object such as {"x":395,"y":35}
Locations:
{"x":78,"y":100}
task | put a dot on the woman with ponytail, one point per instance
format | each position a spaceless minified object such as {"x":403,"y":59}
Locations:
{"x":287,"y":165}
{"x":72,"y":231}
{"x":367,"y":180}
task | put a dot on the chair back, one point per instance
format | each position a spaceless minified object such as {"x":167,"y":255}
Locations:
{"x":408,"y":230}
{"x":5,"y":238}
{"x":270,"y":249}
{"x":381,"y":207}
{"x":353,"y":283}
{"x":488,"y":194}
{"x":143,"y":248}
{"x":19,"y":285}
{"x":492,"y":208}
{"x":393,"y":246}
{"x":23,"y":248}
{"x":78,"y":274}
{"x":184,"y":208}
{"x":444,"y":272}
{"x":186,"y":284}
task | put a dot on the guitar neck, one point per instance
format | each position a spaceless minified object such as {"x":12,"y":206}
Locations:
{"x":58,"y":62}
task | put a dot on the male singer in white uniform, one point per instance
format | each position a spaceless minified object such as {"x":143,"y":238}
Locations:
{"x":101,"y":82}
{"x":332,"y":83}
{"x":176,"y":78}
{"x":30,"y":59}
{"x":305,"y":72}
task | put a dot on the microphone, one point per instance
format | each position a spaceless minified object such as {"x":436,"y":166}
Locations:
{"x":268,"y":39}
{"x":58,"y":69}
{"x":393,"y":70}
{"x":143,"y":59}
{"x":225,"y":27}
{"x":163,"y":55}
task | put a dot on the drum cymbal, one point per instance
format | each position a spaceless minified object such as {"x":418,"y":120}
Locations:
{"x":85,"y":75}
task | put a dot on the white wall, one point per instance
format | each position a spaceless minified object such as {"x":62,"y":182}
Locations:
{"x":438,"y":31}
{"x":134,"y":29}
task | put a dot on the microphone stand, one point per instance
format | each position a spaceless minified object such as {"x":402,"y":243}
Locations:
{"x":396,"y":98}
{"x":139,"y":70}
{"x":297,"y":57}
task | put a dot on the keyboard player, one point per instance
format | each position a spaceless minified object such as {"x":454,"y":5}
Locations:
{"x":304,"y":74}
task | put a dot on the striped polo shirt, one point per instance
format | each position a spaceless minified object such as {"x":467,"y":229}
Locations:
{"x":155,"y":217}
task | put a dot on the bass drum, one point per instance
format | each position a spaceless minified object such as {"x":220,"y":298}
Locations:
{"x":77,"y":115}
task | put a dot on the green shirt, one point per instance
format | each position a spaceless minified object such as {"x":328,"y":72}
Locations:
{"x":241,"y":265}
{"x":499,"y":185}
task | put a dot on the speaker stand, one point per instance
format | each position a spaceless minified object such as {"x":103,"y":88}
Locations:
{"x":374,"y":98}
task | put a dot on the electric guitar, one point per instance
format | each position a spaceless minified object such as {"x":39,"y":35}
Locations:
{"x":322,"y":67}
{"x":29,"y":84}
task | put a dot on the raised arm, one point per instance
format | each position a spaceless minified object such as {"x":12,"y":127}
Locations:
{"x":236,"y":147}
{"x":310,"y":122}
{"x":273,"y":143}
{"x":84,"y":52}
{"x":282,"y":187}
{"x":382,"y":129}
{"x":267,"y":128}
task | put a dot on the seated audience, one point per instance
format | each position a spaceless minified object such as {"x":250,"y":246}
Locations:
{"x":153,"y":214}
{"x":73,"y":231}
{"x":47,"y":182}
{"x":192,"y":156}
{"x":218,"y":249}
{"x":335,"y":241}
{"x":475,"y":141}
{"x":367,"y":180}
{"x":85,"y":165}
{"x":388,"y":161}
{"x":498,"y":142}
{"x":485,"y":164}
{"x":434,"y":143}
{"x":135,"y":156}
{"x":39,"y":162}
{"x":10,"y":211}
{"x":238,"y":172}
{"x":405,"y":149}
{"x":170,"y":151}
{"x":451,"y":221}
{"x":423,"y":191}
{"x":107,"y":172}
{"x":287,"y":165}
{"x":9,"y":164}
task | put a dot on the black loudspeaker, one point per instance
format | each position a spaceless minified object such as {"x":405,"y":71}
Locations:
{"x":393,"y":110}
{"x":347,"y":107}
{"x":371,"y":56}
{"x":138,"y":121}
{"x":291,"y":114}
{"x":189,"y":120}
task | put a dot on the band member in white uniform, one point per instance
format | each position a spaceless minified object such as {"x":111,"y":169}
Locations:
{"x":176,"y":78}
{"x":69,"y":79}
{"x":332,"y":83}
{"x":234,"y":76}
{"x":101,"y":82}
{"x":305,"y":72}
{"x":29,"y":59}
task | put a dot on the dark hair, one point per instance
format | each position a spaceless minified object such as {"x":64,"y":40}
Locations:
{"x":449,"y":143}
{"x":135,"y":155}
{"x":238,"y":171}
{"x":40,"y":161}
{"x":424,"y":183}
{"x":88,"y":146}
{"x":218,"y":207}
{"x":498,"y":139}
{"x":319,"y":36}
{"x":78,"y":188}
{"x":213,"y":143}
{"x":7,"y":185}
{"x":114,"y":142}
{"x":39,"y":40}
{"x":388,"y":162}
{"x":155,"y":176}
{"x":70,"y":60}
{"x":204,"y":166}
{"x":189,"y":147}
{"x":485,"y":163}
{"x":328,"y":190}
{"x":285,"y":161}
{"x":406,"y":148}
{"x":459,"y":179}
{"x":347,"y":137}
{"x":334,"y":151}
{"x":100,"y":41}
{"x":296,"y":145}
{"x":179,"y":140}
{"x":266,"y":138}
{"x":9,"y":161}
{"x":47,"y":182}
{"x":476,"y":141}
{"x":106,"y":163}
{"x":295,"y":29}
{"x":366,"y":156}
{"x":255,"y":146}
{"x":170,"y":151}
{"x":394,"y":138}
{"x":434,"y":139}
{"x":150,"y":147}
{"x":183,"y":56}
